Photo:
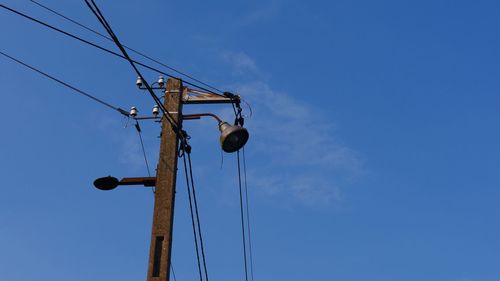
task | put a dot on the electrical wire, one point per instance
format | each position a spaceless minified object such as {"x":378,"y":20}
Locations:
{"x":192,"y":216}
{"x":103,"y":48}
{"x":173,"y":272}
{"x":249,"y":108}
{"x":95,"y":10}
{"x":239,"y":120}
{"x":248,"y":213}
{"x":197,"y":216}
{"x":126,"y":47}
{"x":139,"y":132}
{"x":121,"y":111}
{"x":186,"y":149}
{"x":242,"y":218}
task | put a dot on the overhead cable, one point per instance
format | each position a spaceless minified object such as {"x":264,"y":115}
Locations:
{"x":173,"y":272}
{"x":197,"y":215}
{"x":139,"y":132}
{"x":248,"y":213}
{"x":103,"y":48}
{"x":242,"y":218}
{"x":192,"y":216}
{"x":95,"y":10}
{"x":126,"y":47}
{"x":121,"y":111}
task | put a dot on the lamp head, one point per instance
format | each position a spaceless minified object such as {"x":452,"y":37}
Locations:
{"x":106,"y":183}
{"x":232,"y":138}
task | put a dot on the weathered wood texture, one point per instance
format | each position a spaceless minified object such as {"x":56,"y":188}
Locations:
{"x":163,"y":217}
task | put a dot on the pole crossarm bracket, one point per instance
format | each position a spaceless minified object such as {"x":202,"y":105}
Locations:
{"x":109,"y":182}
{"x":193,"y":96}
{"x":146,"y":181}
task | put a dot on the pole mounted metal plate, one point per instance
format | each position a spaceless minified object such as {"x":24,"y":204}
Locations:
{"x":192,"y":96}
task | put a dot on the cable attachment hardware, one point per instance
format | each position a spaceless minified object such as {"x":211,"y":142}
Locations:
{"x":229,"y":95}
{"x":239,"y":120}
{"x":184,"y":145}
{"x":235,"y":98}
{"x":123,"y":112}
{"x":137,"y":127}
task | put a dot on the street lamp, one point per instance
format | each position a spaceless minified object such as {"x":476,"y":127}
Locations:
{"x":232,"y":138}
{"x":109,"y":182}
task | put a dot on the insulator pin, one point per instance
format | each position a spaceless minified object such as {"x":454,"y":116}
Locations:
{"x":161,"y":81}
{"x":139,"y":82}
{"x":133,"y":111}
{"x":156,"y":110}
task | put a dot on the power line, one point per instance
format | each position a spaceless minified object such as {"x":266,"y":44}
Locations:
{"x":248,"y":213}
{"x":139,"y":132}
{"x":242,"y":219}
{"x":197,"y":215}
{"x":126,"y":47}
{"x":121,"y":111}
{"x":102,"y":48}
{"x":173,"y":272}
{"x":192,"y":213}
{"x":186,"y":149}
{"x":95,"y":10}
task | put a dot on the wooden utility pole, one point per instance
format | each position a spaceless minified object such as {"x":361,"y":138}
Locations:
{"x":163,"y":217}
{"x":232,"y":139}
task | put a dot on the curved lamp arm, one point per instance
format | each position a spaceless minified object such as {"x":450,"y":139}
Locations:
{"x":199,"y":115}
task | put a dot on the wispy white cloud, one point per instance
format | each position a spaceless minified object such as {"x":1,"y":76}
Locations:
{"x":295,"y":154}
{"x":124,"y":136}
{"x":296,"y":148}
{"x":240,"y":62}
{"x":131,"y":155}
{"x":262,"y":13}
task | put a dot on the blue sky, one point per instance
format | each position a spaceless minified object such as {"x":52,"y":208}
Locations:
{"x":373,"y":151}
